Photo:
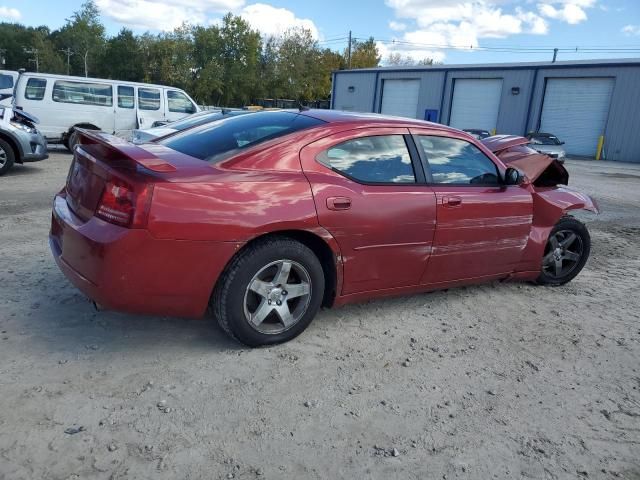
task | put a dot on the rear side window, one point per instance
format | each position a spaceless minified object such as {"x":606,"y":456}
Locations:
{"x":126,"y":97}
{"x":84,"y":93}
{"x":35,"y":89}
{"x":218,"y":140}
{"x":179,"y":102}
{"x":378,"y":159}
{"x":148,"y":99}
{"x":457,"y":162}
{"x":6,"y":81}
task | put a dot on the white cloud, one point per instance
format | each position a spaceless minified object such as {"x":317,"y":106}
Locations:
{"x":397,"y":26}
{"x":272,"y":21}
{"x":460,"y":23}
{"x":631,"y":30}
{"x":164,"y":14}
{"x":9,"y":13}
{"x":570,"y":11}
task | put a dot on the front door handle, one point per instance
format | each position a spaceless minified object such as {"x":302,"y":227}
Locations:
{"x":451,"y":201}
{"x":338,"y":203}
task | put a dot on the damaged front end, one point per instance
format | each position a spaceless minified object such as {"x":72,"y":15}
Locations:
{"x":540,"y":169}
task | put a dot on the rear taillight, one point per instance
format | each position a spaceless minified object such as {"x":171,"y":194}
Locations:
{"x":123,"y":205}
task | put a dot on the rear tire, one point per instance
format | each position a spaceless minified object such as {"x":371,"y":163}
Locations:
{"x":7,"y":157}
{"x":269,"y":293}
{"x":566,"y":252}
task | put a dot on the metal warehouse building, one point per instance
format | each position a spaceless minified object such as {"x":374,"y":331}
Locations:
{"x":578,"y":101}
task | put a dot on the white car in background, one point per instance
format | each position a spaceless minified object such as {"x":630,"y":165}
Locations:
{"x":547,"y":143}
{"x":63,"y":103}
{"x":200,"y":118}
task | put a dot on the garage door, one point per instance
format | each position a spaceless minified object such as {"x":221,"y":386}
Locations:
{"x":475,"y":103}
{"x":400,"y":97}
{"x":575,"y":110}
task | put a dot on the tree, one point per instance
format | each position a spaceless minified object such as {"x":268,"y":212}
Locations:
{"x":85,"y":35}
{"x":122,"y":58}
{"x":364,"y":54}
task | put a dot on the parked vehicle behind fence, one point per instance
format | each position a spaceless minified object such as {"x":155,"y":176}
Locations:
{"x":64,"y":103}
{"x":7,"y":81}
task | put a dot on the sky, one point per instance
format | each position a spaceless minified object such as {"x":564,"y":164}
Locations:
{"x":448,"y":31}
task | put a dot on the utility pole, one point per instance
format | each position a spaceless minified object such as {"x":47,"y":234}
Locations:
{"x":36,"y":59}
{"x":349,"y":51}
{"x":555,"y":54}
{"x":68,"y":52}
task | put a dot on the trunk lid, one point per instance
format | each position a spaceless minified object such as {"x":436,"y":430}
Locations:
{"x":100,"y":158}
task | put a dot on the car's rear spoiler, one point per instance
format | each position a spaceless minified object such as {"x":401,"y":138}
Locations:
{"x":112,"y":149}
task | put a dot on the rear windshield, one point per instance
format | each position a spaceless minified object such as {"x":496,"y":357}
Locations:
{"x":218,"y":140}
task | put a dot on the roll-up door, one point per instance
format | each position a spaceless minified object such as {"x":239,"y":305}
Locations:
{"x":475,"y":103}
{"x":400,"y":97}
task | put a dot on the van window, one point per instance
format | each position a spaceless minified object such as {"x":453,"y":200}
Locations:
{"x":84,"y":93}
{"x":125,"y":97}
{"x":148,"y":99}
{"x":6,"y":81}
{"x":35,"y":89}
{"x":179,"y":102}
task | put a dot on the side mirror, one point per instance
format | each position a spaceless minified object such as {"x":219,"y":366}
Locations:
{"x":561,"y":143}
{"x":512,"y":177}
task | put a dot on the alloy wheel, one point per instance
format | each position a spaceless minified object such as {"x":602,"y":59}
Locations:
{"x":563,"y":253}
{"x":277,"y":297}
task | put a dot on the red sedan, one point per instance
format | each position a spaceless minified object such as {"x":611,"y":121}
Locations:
{"x":261,"y":219}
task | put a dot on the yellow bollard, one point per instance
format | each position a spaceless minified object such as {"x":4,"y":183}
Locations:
{"x":493,"y":132}
{"x":600,"y":144}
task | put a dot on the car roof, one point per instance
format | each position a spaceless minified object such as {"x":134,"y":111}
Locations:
{"x":541,"y":134}
{"x":340,"y":116}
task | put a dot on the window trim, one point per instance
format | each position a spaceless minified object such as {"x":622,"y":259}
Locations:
{"x":78,"y":82}
{"x":44,"y":89}
{"x":159,"y":90}
{"x":118,"y":87}
{"x":424,"y":160}
{"x":418,"y":171}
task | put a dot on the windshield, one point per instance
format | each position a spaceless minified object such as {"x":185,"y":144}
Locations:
{"x":218,"y":140}
{"x":545,"y":140}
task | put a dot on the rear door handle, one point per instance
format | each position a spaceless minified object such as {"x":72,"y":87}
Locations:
{"x":451,"y":201}
{"x":338,"y":203}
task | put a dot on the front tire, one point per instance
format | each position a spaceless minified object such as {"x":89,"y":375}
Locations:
{"x":7,"y":157}
{"x":269,"y":293}
{"x":566,"y":252}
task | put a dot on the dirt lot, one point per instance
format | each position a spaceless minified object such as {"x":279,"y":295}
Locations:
{"x":502,"y":381}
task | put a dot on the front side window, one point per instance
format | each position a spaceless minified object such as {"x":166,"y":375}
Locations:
{"x":179,"y":102}
{"x":148,"y":99}
{"x":220,"y":139}
{"x":84,"y":93}
{"x":126,"y":97}
{"x":377,"y":159}
{"x":35,"y":89}
{"x":457,"y":162}
{"x":6,"y":81}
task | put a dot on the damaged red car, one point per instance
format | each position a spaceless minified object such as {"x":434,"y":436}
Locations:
{"x":261,"y":219}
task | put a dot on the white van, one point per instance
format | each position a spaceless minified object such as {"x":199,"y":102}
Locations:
{"x":62,"y":103}
{"x":7,"y":81}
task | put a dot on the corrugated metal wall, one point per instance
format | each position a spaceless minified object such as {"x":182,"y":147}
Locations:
{"x":519,"y":113}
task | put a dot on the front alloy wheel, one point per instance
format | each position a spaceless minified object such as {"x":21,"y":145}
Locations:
{"x":566,"y":252}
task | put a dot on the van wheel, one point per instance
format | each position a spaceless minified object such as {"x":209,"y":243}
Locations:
{"x":269,"y":293}
{"x":7,"y":157}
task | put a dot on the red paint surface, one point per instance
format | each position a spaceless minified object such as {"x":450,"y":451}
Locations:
{"x":386,"y":239}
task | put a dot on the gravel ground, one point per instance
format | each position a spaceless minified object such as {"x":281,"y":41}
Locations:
{"x":493,"y":381}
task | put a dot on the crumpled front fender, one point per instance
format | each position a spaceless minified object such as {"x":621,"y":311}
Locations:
{"x":564,"y":199}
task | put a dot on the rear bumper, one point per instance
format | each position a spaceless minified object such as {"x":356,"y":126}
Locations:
{"x":129,"y":270}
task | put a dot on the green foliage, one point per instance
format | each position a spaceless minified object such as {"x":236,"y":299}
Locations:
{"x":227,"y":64}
